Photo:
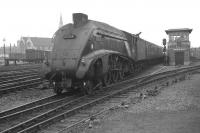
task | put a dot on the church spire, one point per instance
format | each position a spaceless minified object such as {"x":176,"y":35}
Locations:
{"x":61,"y":22}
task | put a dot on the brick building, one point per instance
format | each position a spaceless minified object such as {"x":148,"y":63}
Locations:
{"x":179,"y":46}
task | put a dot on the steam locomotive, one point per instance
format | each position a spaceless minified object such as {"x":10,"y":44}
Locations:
{"x":88,"y":54}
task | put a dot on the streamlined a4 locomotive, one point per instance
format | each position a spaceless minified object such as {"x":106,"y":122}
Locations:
{"x":88,"y":54}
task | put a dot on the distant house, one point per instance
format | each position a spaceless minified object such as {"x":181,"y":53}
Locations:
{"x":39,"y":43}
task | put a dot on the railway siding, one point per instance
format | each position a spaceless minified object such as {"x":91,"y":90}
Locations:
{"x":19,"y":79}
{"x":115,"y":90}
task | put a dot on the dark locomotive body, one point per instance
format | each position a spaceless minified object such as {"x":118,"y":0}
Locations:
{"x":88,"y":54}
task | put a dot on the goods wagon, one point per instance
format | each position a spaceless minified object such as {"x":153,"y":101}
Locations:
{"x":37,"y":56}
{"x":88,"y":54}
{"x":16,"y":56}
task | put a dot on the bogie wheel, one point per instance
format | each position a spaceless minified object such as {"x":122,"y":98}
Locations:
{"x":98,"y":68}
{"x":58,"y":90}
{"x":115,"y":76}
{"x":107,"y":79}
{"x":56,"y":87}
{"x":121,"y":74}
{"x":88,"y":87}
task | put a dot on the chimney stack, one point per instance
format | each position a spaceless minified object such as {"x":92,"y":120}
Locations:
{"x":79,"y":19}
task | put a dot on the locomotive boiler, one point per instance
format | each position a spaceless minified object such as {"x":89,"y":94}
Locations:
{"x":89,"y":54}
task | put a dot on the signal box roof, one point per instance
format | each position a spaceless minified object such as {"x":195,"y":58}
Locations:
{"x":179,"y":30}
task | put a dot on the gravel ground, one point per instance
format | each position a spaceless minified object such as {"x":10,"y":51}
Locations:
{"x":19,"y":98}
{"x":175,"y":110}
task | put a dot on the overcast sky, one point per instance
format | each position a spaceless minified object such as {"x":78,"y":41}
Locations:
{"x":40,"y":18}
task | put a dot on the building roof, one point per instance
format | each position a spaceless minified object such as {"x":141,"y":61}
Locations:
{"x":178,"y":30}
{"x":39,"y":41}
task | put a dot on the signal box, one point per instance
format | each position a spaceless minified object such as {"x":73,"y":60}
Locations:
{"x":178,"y":49}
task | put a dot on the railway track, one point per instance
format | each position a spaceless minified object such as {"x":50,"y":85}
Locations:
{"x":18,"y":80}
{"x":19,"y":67}
{"x":20,"y":83}
{"x":36,"y":117}
{"x":16,"y":72}
{"x":12,"y":76}
{"x":31,"y":105}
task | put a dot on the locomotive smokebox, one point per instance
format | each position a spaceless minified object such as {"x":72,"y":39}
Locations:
{"x":79,"y":19}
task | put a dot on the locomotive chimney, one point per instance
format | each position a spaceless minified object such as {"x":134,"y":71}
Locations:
{"x":79,"y":19}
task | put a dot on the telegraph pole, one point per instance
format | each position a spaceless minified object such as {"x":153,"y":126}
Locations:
{"x":4,"y":49}
{"x":10,"y":48}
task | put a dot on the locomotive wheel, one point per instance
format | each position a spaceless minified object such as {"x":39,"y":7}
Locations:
{"x":115,"y":76}
{"x":88,"y":87}
{"x":58,"y":90}
{"x":98,"y":68}
{"x":121,"y":74}
{"x":107,"y":79}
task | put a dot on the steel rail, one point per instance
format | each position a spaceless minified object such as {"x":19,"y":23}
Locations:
{"x":22,"y":77}
{"x":18,"y":67}
{"x":26,"y":106}
{"x":16,"y":75}
{"x":86,"y":119}
{"x":44,"y":104}
{"x":19,"y":82}
{"x":61,"y":112}
{"x":21,"y":85}
{"x":13,"y":73}
{"x":71,"y":112}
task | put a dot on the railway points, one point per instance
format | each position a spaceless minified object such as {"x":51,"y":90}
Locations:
{"x":104,"y":112}
{"x":93,"y":100}
{"x":174,"y":109}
